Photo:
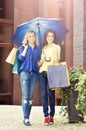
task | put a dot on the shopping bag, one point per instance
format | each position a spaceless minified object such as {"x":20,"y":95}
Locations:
{"x":58,"y":76}
{"x":16,"y":66}
{"x":11,"y":57}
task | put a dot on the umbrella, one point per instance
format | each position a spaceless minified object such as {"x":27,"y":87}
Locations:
{"x":40,"y":25}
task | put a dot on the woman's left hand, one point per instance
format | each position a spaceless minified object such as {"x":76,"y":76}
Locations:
{"x":40,"y":62}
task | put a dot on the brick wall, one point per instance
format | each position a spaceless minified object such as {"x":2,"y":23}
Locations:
{"x":84,"y":49}
{"x":78,"y":32}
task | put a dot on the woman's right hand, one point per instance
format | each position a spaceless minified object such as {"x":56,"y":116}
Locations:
{"x":25,"y":50}
{"x":25,"y":46}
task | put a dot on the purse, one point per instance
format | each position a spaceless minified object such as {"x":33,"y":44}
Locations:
{"x":58,"y":76}
{"x":16,"y":66}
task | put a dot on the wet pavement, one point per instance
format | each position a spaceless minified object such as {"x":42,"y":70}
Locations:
{"x":11,"y":118}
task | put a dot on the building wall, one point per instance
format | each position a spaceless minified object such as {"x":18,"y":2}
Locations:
{"x":84,"y":48}
{"x":78,"y":32}
{"x":6,"y":24}
{"x":49,"y":8}
{"x":24,"y":10}
{"x":68,"y":47}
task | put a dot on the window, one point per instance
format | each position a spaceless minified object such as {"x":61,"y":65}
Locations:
{"x":62,"y":10}
{"x":1,"y":8}
{"x":5,"y":31}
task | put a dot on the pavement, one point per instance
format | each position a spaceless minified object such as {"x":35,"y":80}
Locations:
{"x":11,"y":118}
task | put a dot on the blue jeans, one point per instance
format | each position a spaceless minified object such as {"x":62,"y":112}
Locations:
{"x":46,"y":92}
{"x":28,"y":83}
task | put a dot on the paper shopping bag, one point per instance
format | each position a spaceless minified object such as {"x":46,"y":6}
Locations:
{"x":58,"y":76}
{"x":16,"y":65}
{"x":11,"y":57}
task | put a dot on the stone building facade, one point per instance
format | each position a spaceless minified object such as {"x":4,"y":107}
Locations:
{"x":79,"y":32}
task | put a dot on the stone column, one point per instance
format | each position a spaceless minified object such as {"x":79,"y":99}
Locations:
{"x":78,"y":32}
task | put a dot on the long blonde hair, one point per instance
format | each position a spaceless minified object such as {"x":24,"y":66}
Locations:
{"x":25,"y":40}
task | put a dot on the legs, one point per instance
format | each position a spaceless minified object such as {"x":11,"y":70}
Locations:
{"x":52,"y":105}
{"x":52,"y":102}
{"x":28,"y":82}
{"x":45,"y":92}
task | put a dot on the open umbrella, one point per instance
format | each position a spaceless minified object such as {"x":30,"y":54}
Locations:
{"x":40,"y":25}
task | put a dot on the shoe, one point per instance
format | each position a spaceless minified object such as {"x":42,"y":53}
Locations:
{"x":51,"y":120}
{"x":46,"y":121}
{"x":26,"y":122}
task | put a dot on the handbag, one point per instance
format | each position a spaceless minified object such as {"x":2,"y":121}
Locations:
{"x":16,"y":66}
{"x":58,"y":76}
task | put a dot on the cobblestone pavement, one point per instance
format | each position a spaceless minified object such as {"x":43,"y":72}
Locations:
{"x":11,"y":118}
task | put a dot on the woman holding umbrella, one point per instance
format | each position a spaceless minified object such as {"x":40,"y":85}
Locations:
{"x":50,"y":56}
{"x":28,"y":55}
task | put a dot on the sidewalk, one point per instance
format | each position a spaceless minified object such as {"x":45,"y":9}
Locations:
{"x":11,"y":118}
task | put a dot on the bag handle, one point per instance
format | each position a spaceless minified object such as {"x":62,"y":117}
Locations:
{"x":56,"y":63}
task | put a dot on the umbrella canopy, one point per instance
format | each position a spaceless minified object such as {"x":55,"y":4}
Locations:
{"x":40,"y":25}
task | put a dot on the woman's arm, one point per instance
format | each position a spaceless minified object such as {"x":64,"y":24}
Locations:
{"x":21,"y":53}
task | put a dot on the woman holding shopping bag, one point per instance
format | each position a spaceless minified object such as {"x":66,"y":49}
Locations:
{"x":50,"y":55}
{"x":28,"y":55}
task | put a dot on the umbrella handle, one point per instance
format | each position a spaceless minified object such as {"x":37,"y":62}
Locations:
{"x":47,"y":60}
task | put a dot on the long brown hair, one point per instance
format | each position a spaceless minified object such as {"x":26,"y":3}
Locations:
{"x":46,"y":34}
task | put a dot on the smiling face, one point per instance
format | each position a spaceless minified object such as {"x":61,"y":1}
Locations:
{"x":50,"y":38}
{"x":31,"y":37}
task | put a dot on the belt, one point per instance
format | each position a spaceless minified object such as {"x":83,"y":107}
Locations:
{"x":45,"y":72}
